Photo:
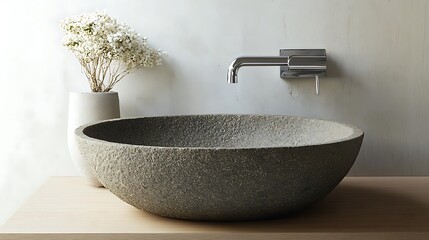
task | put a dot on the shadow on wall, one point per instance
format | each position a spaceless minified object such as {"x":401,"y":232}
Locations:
{"x":386,"y":119}
{"x":147,"y":92}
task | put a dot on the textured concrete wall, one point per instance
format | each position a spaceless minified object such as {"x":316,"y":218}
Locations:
{"x":377,"y":78}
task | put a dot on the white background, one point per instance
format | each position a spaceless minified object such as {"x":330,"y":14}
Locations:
{"x":377,"y":75}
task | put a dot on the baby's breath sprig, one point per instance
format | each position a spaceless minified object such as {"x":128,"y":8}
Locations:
{"x":107,"y":50}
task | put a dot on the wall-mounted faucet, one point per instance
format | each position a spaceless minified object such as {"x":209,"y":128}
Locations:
{"x":294,"y":63}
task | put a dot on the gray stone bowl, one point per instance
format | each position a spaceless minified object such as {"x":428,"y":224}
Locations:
{"x":219,"y":167}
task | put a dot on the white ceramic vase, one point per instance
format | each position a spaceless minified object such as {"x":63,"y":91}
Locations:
{"x":87,"y":108}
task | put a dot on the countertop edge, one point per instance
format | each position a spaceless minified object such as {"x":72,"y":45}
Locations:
{"x":215,"y":236}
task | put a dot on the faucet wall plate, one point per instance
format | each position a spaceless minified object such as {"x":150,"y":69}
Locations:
{"x":303,"y":63}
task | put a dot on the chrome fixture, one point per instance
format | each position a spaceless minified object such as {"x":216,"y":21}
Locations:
{"x":294,"y":63}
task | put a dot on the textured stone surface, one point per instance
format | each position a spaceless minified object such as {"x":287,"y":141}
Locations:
{"x":220,"y":167}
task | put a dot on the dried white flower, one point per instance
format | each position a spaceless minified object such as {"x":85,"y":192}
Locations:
{"x":106,"y":49}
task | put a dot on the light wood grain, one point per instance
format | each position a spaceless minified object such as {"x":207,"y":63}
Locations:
{"x":359,"y":208}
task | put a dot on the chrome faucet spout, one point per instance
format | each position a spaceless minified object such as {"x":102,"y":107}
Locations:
{"x":294,"y":63}
{"x":254,"y":61}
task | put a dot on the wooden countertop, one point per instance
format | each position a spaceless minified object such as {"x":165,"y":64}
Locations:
{"x":359,"y":208}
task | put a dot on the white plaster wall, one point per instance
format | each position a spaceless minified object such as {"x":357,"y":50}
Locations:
{"x":377,"y":79}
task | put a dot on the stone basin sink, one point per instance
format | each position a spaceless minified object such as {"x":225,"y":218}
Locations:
{"x":219,"y":167}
